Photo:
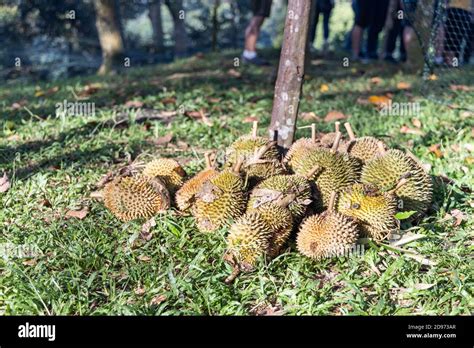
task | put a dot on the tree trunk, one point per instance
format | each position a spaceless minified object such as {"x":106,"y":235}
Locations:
{"x":111,"y":41}
{"x":181,"y":38}
{"x":290,"y":73}
{"x":215,"y":24}
{"x":156,"y":23}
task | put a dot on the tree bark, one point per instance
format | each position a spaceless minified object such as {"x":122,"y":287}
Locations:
{"x":156,"y":23}
{"x":181,"y":38}
{"x":290,"y":73}
{"x":111,"y":41}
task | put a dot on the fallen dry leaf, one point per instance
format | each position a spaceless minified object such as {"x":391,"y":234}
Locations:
{"x":334,"y":116}
{"x":458,"y":215}
{"x":234,"y":73}
{"x":30,"y":262}
{"x":309,"y":116}
{"x":169,"y":100}
{"x":182,"y":145}
{"x":250,"y":119}
{"x":403,"y":85}
{"x":4,"y":183}
{"x":213,"y":100}
{"x":139,"y":291}
{"x":164,"y":140}
{"x":89,"y":89}
{"x":78,"y":214}
{"x":462,"y":88}
{"x":14,"y":137}
{"x":407,"y":130}
{"x":416,"y":122}
{"x":145,"y":233}
{"x":435,"y":149}
{"x":362,"y":101}
{"x":157,"y":300}
{"x":376,"y":80}
{"x":379,"y":100}
{"x":144,"y":258}
{"x":133,"y":104}
{"x":423,"y":286}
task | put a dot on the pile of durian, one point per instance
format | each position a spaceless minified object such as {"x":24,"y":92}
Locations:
{"x":328,"y":190}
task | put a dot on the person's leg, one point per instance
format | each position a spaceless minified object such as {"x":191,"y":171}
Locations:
{"x":252,"y":32}
{"x":326,"y":18}
{"x":391,"y":41}
{"x":361,"y":22}
{"x":378,"y":15}
{"x":314,"y":27}
{"x":403,"y":51}
{"x":261,"y":9}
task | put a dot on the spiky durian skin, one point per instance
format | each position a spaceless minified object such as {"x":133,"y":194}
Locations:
{"x":336,"y":171}
{"x":129,"y":198}
{"x":365,"y":148}
{"x":385,"y":171}
{"x":248,"y":239}
{"x":326,"y":235}
{"x":220,"y":199}
{"x":373,"y":210}
{"x":299,"y":150}
{"x":167,"y":170}
{"x":262,"y":231}
{"x":245,"y":148}
{"x":327,"y":140}
{"x":186,"y":194}
{"x":280,"y":221}
{"x":277,"y":187}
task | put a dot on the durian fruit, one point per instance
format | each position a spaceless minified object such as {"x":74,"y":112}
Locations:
{"x":220,"y":199}
{"x":386,"y":171}
{"x":133,"y":197}
{"x":327,"y":234}
{"x":280,"y":186}
{"x":259,"y":155}
{"x":259,"y":232}
{"x":185,"y":196}
{"x":328,"y":169}
{"x":301,"y":147}
{"x":167,"y":170}
{"x":327,"y":140}
{"x":365,"y":148}
{"x":373,"y":210}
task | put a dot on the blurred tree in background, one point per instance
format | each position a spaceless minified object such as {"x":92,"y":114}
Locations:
{"x":52,"y":39}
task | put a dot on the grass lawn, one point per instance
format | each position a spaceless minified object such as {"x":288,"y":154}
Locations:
{"x":98,"y":265}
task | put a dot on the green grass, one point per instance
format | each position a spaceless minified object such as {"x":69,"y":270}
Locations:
{"x":99,"y":265}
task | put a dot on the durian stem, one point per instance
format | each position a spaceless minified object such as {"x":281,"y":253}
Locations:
{"x":400,"y":183}
{"x":207,"y":155}
{"x":313,"y":131}
{"x":332,"y":201}
{"x":238,"y":165}
{"x":258,"y":154}
{"x":349,"y":130}
{"x":233,"y":275}
{"x":313,"y":171}
{"x":335,"y":145}
{"x":254,"y":129}
{"x":337,"y":126}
